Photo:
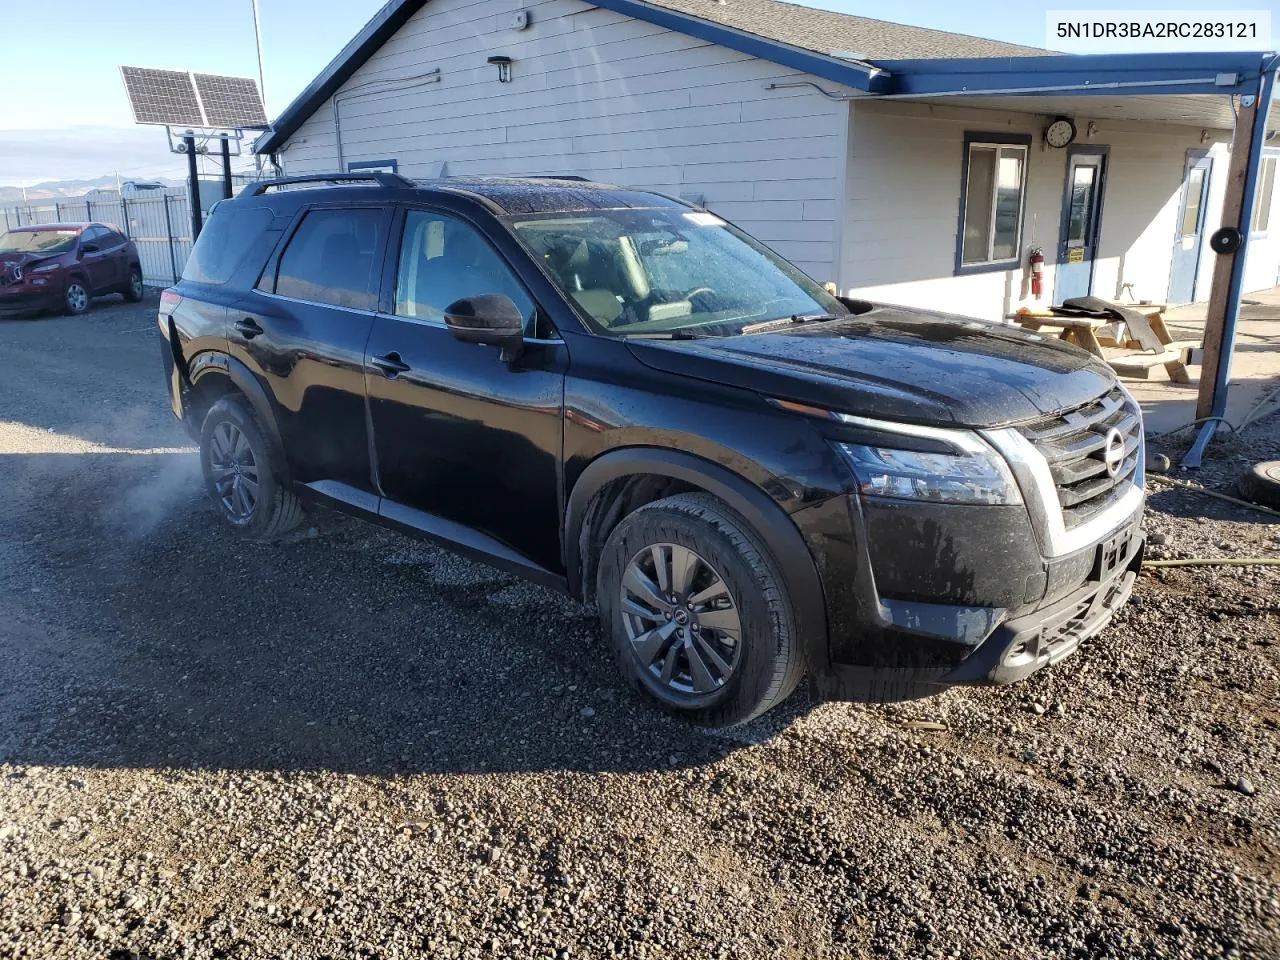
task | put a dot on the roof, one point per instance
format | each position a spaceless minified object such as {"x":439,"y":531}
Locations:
{"x":819,"y":32}
{"x":827,"y":32}
{"x":502,"y":195}
{"x":873,"y":56}
{"x":36,"y":227}
{"x":517,"y":195}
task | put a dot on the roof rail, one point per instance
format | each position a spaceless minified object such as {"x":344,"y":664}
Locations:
{"x":383,"y":179}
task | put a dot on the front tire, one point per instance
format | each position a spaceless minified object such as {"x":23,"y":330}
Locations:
{"x":696,"y":613}
{"x":133,"y":290}
{"x":239,"y":475}
{"x":75,"y":300}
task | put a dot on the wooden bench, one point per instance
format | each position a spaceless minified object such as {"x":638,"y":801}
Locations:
{"x":1083,"y":332}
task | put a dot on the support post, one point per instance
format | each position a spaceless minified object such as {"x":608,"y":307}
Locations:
{"x":226,"y":169}
{"x":168,"y":230}
{"x":193,"y":180}
{"x":1228,"y":269}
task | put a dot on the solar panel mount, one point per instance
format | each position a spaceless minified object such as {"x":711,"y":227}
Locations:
{"x":178,"y":98}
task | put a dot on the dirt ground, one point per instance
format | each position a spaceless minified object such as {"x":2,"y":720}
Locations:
{"x":352,"y":744}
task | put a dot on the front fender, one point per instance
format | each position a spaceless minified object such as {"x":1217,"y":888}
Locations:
{"x":768,"y":520}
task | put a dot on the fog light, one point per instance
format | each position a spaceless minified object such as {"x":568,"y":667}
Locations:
{"x":39,"y":282}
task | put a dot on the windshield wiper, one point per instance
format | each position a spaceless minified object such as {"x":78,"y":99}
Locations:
{"x":668,"y":335}
{"x":791,"y":321}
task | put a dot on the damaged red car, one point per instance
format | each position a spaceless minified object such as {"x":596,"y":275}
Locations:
{"x":63,"y":266}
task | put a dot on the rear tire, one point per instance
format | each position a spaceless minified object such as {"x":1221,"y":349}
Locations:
{"x":726,"y":650}
{"x":240,"y":475}
{"x":133,"y":290}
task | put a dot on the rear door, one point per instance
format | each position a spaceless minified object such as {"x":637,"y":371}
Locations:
{"x":117,"y":248}
{"x":465,"y":442}
{"x":303,"y":330}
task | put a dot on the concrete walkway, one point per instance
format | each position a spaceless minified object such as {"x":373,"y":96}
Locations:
{"x":1255,"y":370}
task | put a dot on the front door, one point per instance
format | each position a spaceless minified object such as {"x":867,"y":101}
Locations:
{"x":98,"y":263}
{"x":1190,"y":234}
{"x":1081,"y":222}
{"x":464,"y":442}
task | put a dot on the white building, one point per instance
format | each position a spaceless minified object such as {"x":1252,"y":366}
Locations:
{"x":904,"y":164}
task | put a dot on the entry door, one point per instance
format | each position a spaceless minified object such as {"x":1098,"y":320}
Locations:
{"x":1081,"y":222}
{"x":99,"y":264}
{"x":1191,"y":220}
{"x":465,"y":442}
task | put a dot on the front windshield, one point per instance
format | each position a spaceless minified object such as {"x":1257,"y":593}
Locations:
{"x":38,"y":241}
{"x":661,"y":270}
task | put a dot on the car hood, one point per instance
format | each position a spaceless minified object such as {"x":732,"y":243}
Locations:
{"x":11,"y":261}
{"x":896,"y":363}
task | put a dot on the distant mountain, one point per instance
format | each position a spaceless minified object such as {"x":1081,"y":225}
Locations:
{"x":56,"y":189}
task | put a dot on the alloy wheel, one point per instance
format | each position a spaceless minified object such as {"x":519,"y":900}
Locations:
{"x":77,"y":297}
{"x":235,"y":471}
{"x":135,"y":285}
{"x":682,"y":621}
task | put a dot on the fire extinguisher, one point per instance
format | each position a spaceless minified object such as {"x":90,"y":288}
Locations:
{"x":1036,"y":262}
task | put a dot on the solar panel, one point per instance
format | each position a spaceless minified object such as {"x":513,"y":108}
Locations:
{"x":162,"y":96}
{"x":230,"y":101}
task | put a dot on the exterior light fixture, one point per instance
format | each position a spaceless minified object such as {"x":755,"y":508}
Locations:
{"x":504,"y":68}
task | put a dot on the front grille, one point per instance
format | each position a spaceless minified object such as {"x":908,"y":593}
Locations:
{"x":1075,"y":445}
{"x":10,"y":273}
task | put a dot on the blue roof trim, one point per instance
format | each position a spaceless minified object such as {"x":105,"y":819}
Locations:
{"x":351,"y":58}
{"x":1079,"y":75}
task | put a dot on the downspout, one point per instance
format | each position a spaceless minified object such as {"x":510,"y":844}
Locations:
{"x":1266,"y":90}
{"x":399,"y":84}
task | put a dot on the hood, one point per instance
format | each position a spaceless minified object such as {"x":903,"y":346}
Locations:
{"x":895,"y":363}
{"x":9,"y":262}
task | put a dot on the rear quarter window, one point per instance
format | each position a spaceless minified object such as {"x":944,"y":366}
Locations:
{"x":227,"y":236}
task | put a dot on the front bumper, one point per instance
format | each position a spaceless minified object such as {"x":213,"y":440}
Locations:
{"x":26,"y":299}
{"x":1018,"y":648}
{"x":996,"y":648}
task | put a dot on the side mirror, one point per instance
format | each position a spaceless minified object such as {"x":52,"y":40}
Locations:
{"x":89,"y":248}
{"x":491,"y":318}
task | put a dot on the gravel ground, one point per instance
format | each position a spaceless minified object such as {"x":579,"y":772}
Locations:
{"x":352,"y":744}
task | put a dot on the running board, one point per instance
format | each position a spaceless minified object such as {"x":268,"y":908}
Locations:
{"x":454,"y":536}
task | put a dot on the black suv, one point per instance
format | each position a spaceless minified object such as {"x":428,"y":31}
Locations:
{"x":625,"y":397}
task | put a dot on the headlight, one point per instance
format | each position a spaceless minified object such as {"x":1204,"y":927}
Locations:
{"x":47,"y":267}
{"x":973,"y":473}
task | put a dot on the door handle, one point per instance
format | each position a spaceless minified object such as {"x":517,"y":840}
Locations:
{"x":248,"y":327}
{"x":390,"y":364}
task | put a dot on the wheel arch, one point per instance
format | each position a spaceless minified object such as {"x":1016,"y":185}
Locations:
{"x":589,"y":519}
{"x":215,"y":374}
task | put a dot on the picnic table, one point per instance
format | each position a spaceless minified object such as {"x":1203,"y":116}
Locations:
{"x":1159,"y":348}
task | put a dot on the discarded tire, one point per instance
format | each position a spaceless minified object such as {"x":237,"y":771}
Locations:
{"x":1262,"y":484}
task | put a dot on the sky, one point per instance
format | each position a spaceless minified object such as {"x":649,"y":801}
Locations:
{"x":65,"y":113}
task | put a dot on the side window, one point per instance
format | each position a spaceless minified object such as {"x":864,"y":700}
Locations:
{"x":94,"y":235}
{"x":110,"y":240}
{"x":330,"y":259}
{"x":442,"y":260}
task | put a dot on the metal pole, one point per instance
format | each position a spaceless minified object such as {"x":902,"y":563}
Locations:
{"x":257,"y":37}
{"x":193,"y":178}
{"x":168,"y":229}
{"x":124,"y":215}
{"x":227,"y":189}
{"x":1220,"y":344}
{"x":57,"y":212}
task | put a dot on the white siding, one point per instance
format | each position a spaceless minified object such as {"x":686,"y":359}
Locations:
{"x":597,"y":94}
{"x":1262,"y":263}
{"x":902,"y":213}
